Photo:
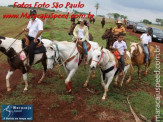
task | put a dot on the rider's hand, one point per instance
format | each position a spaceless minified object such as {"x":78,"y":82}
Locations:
{"x":35,"y":40}
{"x":25,"y":29}
{"x":76,"y":37}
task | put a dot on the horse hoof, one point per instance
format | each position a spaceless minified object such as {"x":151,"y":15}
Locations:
{"x":93,"y":76}
{"x":103,"y":99}
{"x":39,"y":82}
{"x":25,"y":91}
{"x":85,"y":85}
{"x":8,"y":89}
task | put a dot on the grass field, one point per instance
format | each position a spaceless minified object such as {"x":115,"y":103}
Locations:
{"x":142,"y":100}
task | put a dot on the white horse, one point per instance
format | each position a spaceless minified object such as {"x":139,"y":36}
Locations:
{"x":14,"y":52}
{"x":68,"y":53}
{"x":107,"y":62}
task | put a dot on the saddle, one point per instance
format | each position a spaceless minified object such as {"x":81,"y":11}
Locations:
{"x":26,"y":43}
{"x":81,"y":49}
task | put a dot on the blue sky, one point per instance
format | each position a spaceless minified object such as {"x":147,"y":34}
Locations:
{"x":136,"y":10}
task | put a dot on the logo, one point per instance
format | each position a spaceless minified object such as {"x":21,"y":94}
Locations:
{"x":17,"y":112}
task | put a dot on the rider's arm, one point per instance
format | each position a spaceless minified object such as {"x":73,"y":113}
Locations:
{"x":40,"y":28}
{"x":75,"y":32}
{"x":85,"y":34}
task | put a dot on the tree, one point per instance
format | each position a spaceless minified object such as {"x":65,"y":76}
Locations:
{"x":97,"y":7}
{"x":147,"y":21}
{"x":116,"y":16}
{"x":110,"y":15}
{"x":122,"y":16}
{"x":158,"y":20}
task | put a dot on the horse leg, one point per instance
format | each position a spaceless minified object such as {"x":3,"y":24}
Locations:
{"x":67,"y":81}
{"x":102,"y":81}
{"x":86,"y":82}
{"x":125,"y":72}
{"x":131,"y":72}
{"x":44,"y":72}
{"x":146,"y":68}
{"x":106,"y":87}
{"x":24,"y":72}
{"x":93,"y":74}
{"x":116,"y":78}
{"x":139,"y":72}
{"x":10,"y":72}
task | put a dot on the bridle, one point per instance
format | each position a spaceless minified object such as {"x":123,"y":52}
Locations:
{"x":98,"y":62}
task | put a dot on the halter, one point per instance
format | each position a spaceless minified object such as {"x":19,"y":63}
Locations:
{"x":98,"y":62}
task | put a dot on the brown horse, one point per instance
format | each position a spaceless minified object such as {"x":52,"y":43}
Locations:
{"x":90,"y":20}
{"x":138,"y":57}
{"x":103,"y":22}
{"x":17,"y":59}
{"x":72,"y":27}
{"x":110,"y":38}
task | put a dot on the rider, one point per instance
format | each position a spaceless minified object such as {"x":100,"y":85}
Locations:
{"x":121,"y":46}
{"x":118,"y":29}
{"x":145,"y":40}
{"x":35,"y":29}
{"x":81,"y":33}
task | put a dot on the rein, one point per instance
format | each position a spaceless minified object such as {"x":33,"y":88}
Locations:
{"x":17,"y":36}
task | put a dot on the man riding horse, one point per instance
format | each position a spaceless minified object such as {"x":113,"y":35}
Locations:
{"x":81,"y":34}
{"x":35,"y":29}
{"x":146,"y":39}
{"x":118,"y":29}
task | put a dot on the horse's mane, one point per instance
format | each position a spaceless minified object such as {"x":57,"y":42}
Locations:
{"x":112,"y":58}
{"x":139,"y":47}
{"x":1,"y":37}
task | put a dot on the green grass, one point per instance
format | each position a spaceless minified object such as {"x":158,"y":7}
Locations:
{"x":143,"y":103}
{"x":67,"y":98}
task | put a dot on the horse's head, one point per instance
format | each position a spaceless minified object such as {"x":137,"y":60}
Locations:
{"x":107,"y":34}
{"x":72,"y":29}
{"x":134,"y":49}
{"x":97,"y":56}
{"x":52,"y":56}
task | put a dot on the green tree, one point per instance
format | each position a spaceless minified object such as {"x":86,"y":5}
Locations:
{"x":116,"y":16}
{"x":97,"y":7}
{"x":158,"y":20}
{"x":147,"y":21}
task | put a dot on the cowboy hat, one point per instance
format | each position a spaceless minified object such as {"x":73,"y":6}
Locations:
{"x":119,"y":22}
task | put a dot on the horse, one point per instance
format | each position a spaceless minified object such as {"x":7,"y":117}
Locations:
{"x":108,"y":64}
{"x":94,"y":20}
{"x":103,"y":23}
{"x":90,"y":20}
{"x":110,"y":38}
{"x":70,"y":55}
{"x":17,"y":59}
{"x":138,"y":57}
{"x":72,"y":27}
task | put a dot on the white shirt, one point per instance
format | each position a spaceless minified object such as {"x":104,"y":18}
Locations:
{"x":145,"y":38}
{"x":34,"y":27}
{"x":121,"y":46}
{"x":81,"y":33}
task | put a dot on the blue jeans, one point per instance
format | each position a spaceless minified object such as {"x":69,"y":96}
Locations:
{"x":122,"y":62}
{"x":85,"y":47}
{"x":145,"y":47}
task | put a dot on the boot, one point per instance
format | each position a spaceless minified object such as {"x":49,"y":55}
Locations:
{"x":146,"y":64}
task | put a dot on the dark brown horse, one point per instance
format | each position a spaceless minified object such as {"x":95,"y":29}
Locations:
{"x":72,"y":27}
{"x":108,"y":35}
{"x":90,"y":20}
{"x":94,"y":20}
{"x":103,"y":22}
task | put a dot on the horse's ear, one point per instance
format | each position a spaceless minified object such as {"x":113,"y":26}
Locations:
{"x":51,"y":47}
{"x":102,"y":48}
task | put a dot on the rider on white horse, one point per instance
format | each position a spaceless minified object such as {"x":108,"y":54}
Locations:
{"x":81,"y":33}
{"x":35,"y":29}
